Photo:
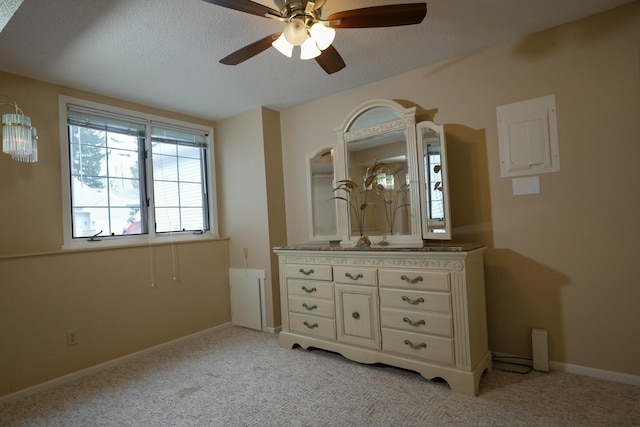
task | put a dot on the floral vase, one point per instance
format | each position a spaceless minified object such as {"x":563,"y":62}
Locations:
{"x":363,"y":242}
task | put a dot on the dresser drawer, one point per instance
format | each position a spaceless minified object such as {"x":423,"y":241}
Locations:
{"x":415,"y":300}
{"x":313,"y":325}
{"x":417,"y":321}
{"x":310,"y":305}
{"x":417,"y":345}
{"x":415,"y":279}
{"x":302,"y":271}
{"x":310,"y":288}
{"x":355,"y":275}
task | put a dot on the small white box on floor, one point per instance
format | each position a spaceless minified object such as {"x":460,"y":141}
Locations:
{"x":540,"y":345}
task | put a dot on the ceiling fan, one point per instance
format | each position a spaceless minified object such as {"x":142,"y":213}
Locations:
{"x":304,"y":27}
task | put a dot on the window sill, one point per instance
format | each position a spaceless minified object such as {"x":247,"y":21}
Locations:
{"x":85,"y":246}
{"x":136,"y":241}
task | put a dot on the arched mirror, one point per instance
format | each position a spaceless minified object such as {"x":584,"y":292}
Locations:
{"x":323,"y":223}
{"x":434,"y":181}
{"x":377,"y":173}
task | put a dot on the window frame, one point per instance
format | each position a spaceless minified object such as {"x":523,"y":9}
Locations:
{"x":152,"y":237}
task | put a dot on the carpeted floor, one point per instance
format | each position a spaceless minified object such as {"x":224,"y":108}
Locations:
{"x":238,"y":377}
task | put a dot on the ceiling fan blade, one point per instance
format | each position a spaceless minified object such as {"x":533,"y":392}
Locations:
{"x":380,"y":16}
{"x":250,"y":50}
{"x":330,"y":60}
{"x":245,"y":6}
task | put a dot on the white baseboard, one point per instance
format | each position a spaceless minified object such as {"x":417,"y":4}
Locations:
{"x":575,"y":369}
{"x":96,"y":368}
{"x":618,"y":377}
{"x":275,"y":330}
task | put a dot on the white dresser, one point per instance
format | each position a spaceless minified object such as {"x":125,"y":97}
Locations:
{"x":421,"y":309}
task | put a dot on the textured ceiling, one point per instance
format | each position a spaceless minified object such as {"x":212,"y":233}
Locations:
{"x":165,"y":53}
{"x":7,"y":9}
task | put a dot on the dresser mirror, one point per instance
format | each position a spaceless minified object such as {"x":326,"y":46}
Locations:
{"x":323,"y":223}
{"x":388,"y":180}
{"x":377,"y":176}
{"x":434,"y":181}
{"x":382,"y":160}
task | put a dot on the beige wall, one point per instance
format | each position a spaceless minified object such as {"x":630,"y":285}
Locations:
{"x":276,"y":204}
{"x":105,"y":295}
{"x":567,"y":259}
{"x":252,"y":198}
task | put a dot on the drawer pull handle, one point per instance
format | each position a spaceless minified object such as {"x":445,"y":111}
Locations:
{"x":309,"y":291}
{"x":306,"y":273}
{"x":412,"y":281}
{"x":413,"y":302}
{"x":315,"y":325}
{"x":313,"y":307}
{"x":412,"y":323}
{"x":415,"y":346}
{"x":356,"y":277}
{"x":355,"y":315}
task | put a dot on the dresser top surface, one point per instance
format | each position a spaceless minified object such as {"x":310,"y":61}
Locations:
{"x":427,"y":247}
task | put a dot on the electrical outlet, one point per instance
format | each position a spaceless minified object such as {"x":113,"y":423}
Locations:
{"x":72,"y":337}
{"x":245,"y":252}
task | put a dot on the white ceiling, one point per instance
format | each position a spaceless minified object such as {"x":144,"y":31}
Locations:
{"x":165,"y":53}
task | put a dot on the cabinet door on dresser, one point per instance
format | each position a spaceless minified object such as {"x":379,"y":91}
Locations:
{"x":357,"y":306}
{"x":311,"y":301}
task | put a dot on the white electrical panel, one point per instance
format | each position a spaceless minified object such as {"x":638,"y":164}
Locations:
{"x":528,"y":137}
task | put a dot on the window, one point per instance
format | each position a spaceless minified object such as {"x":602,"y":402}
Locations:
{"x":131,"y":176}
{"x":179,"y":180}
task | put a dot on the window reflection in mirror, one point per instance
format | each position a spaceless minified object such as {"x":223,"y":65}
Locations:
{"x":433,"y":175}
{"x":378,"y":165}
{"x":436,"y":204}
{"x":322,"y":206}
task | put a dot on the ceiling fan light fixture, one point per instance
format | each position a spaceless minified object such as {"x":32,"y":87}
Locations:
{"x":309,"y":50}
{"x":322,"y":35}
{"x":283,"y":46}
{"x":296,"y":32}
{"x":304,"y":26}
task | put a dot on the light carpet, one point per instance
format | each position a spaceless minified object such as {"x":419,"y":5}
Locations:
{"x":234,"y":376}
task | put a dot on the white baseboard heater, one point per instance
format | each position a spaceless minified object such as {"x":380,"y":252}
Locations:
{"x":248,"y":308}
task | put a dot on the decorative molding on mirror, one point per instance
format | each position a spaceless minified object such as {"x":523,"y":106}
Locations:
{"x":398,"y":124}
